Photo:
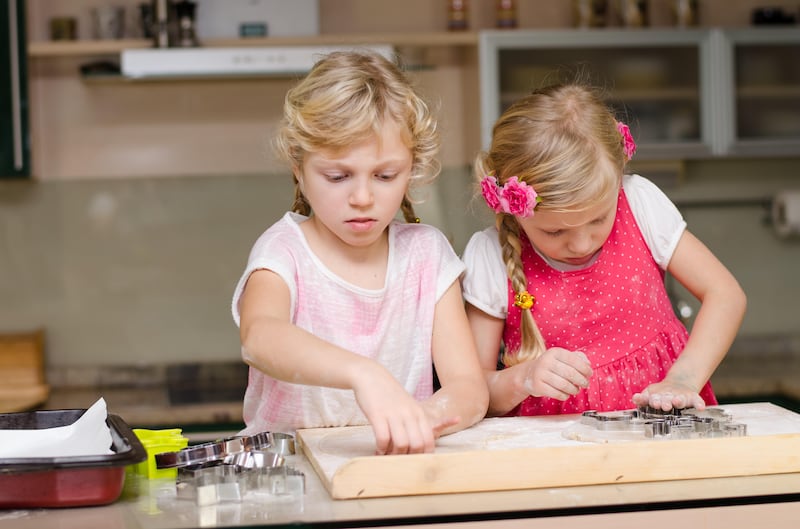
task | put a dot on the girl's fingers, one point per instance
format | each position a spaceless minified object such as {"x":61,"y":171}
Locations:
{"x":411,"y":435}
{"x":383,"y":438}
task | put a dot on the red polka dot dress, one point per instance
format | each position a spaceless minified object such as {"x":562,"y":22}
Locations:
{"x":616,"y":311}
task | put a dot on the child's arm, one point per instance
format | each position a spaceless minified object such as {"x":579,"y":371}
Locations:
{"x":721,"y":311}
{"x":558,"y":373}
{"x":272,"y":344}
{"x":463,"y":398}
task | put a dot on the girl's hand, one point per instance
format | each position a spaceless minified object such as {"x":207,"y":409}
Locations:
{"x":558,"y":373}
{"x":666,"y":395}
{"x":401,"y":424}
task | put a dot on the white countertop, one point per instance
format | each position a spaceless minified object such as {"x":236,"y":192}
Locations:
{"x":723,"y":503}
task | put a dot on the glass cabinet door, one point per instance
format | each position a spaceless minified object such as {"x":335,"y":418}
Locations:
{"x":653,"y":79}
{"x":766,"y":85}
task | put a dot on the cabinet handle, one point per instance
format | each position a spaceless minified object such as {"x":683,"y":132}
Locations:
{"x":16,"y":97}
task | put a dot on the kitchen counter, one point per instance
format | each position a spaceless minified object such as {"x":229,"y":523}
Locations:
{"x":719,"y":503}
{"x":711,"y":503}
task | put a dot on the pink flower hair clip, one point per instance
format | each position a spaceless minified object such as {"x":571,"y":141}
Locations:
{"x":628,"y":145}
{"x":514,"y":197}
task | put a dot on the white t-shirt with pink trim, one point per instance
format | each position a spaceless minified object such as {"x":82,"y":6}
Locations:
{"x":392,"y":325}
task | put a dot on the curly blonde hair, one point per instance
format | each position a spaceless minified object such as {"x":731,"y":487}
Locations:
{"x":563,"y":141}
{"x":344,"y":100}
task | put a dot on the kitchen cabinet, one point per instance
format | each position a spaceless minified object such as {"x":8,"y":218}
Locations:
{"x":85,"y":125}
{"x":687,"y":94}
{"x":14,"y":141}
{"x":655,"y":80}
{"x":684,"y":92}
{"x":762,"y":69}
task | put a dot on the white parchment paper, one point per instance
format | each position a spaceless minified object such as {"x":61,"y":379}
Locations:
{"x":88,"y":436}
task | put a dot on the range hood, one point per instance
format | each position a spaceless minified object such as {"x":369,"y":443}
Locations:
{"x":233,"y":61}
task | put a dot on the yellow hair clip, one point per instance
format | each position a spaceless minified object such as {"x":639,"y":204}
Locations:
{"x":524,"y":300}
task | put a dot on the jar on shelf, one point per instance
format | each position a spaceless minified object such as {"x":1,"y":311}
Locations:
{"x":684,"y":13}
{"x":633,"y":13}
{"x":506,"y":14}
{"x":457,"y":15}
{"x":589,"y":13}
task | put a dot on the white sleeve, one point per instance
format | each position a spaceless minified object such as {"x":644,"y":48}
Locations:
{"x":658,"y":218}
{"x":450,"y":266}
{"x":268,"y":253}
{"x":485,"y":283}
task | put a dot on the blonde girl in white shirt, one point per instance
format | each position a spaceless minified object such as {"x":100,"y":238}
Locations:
{"x":344,"y":310}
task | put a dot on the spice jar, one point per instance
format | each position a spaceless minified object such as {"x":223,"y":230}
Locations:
{"x":589,"y":13}
{"x":457,"y":15}
{"x":684,"y":13}
{"x":63,"y":28}
{"x":633,"y":13}
{"x":506,"y":14}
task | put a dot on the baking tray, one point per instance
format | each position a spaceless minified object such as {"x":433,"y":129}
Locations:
{"x":31,"y":482}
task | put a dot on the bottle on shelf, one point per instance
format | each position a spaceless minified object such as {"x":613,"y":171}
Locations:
{"x":457,"y":15}
{"x":506,"y":17}
{"x":590,"y":13}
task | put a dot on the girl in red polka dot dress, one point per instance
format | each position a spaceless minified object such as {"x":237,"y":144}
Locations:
{"x":569,"y":283}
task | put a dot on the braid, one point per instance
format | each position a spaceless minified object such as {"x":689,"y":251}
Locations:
{"x":408,"y":210}
{"x":563,"y":141}
{"x":531,"y":340}
{"x":300,"y":204}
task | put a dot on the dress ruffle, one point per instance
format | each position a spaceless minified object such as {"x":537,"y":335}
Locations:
{"x":612,"y":385}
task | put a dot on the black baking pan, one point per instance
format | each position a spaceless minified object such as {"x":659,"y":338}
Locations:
{"x":33,"y":482}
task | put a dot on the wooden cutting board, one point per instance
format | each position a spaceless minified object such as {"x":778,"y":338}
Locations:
{"x":533,"y":452}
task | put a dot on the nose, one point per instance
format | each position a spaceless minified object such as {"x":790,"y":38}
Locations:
{"x":361,"y":194}
{"x":580,"y":243}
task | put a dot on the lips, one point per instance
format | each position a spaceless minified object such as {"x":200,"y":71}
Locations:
{"x":361,"y":224}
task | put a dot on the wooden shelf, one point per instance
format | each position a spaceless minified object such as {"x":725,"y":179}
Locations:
{"x":768,"y":92}
{"x":45,"y":49}
{"x":83,"y":47}
{"x":659,"y":95}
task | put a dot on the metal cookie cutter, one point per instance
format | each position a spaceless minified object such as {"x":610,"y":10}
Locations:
{"x":674,"y":424}
{"x":254,"y":459}
{"x":280,"y":443}
{"x":281,"y":481}
{"x":611,"y":421}
{"x":192,"y":455}
{"x":224,"y":470}
{"x":210,"y":484}
{"x":691,"y":423}
{"x":217,"y":482}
